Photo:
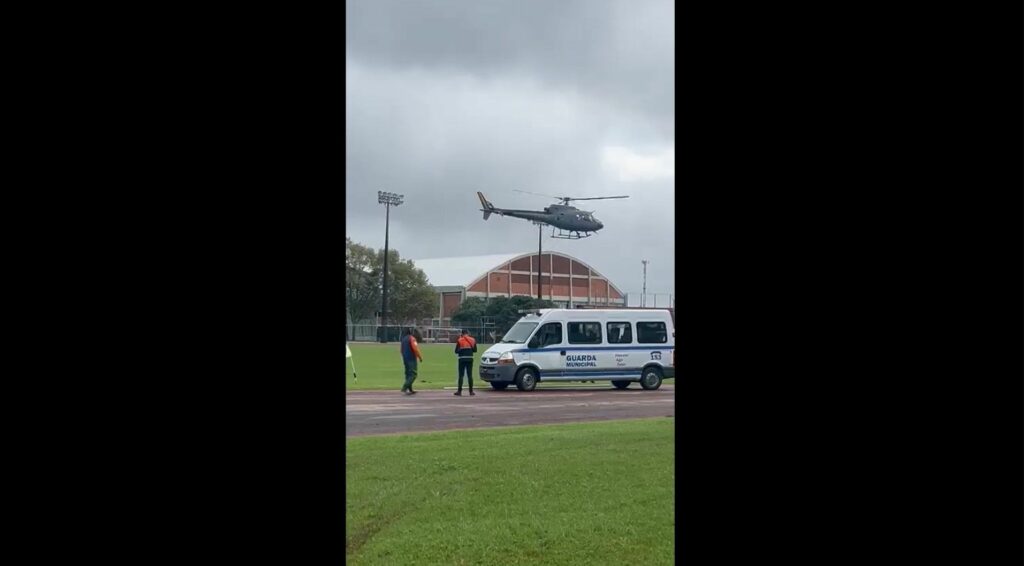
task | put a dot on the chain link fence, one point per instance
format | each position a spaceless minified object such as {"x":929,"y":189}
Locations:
{"x":431,"y":334}
{"x":486,"y":331}
{"x":651,"y":300}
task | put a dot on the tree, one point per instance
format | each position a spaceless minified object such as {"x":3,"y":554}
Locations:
{"x":470,"y":311}
{"x":542,"y":304}
{"x":410,"y":295}
{"x":505,"y":311}
{"x":362,"y":281}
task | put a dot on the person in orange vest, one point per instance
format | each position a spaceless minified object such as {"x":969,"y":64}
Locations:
{"x":410,"y":353}
{"x":465,"y":347}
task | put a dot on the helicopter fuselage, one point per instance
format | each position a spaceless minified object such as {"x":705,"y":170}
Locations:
{"x":567,"y":218}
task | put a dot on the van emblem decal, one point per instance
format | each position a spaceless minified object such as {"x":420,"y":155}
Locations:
{"x":655,"y":355}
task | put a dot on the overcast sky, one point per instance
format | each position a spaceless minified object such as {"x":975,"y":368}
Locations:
{"x":561,"y":97}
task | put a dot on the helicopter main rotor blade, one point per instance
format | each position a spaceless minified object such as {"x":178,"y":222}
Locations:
{"x":537,"y":194}
{"x":593,"y":198}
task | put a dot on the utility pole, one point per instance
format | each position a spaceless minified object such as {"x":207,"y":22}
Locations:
{"x":643,"y":296}
{"x":540,"y":236}
{"x":388,"y":200}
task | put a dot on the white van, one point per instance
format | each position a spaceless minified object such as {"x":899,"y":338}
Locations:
{"x":560,"y":345}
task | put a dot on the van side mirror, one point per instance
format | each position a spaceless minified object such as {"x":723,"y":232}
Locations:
{"x":534,"y":342}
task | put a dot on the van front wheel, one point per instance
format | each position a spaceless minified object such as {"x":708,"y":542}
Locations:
{"x":620,"y":384}
{"x":651,"y":379}
{"x":526,"y":379}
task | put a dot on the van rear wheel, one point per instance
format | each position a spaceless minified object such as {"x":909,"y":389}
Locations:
{"x":499,"y":385}
{"x":620,"y":384}
{"x":526,"y":379}
{"x":651,"y":379}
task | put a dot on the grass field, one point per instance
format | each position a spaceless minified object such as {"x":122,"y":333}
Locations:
{"x":379,"y":366}
{"x":582,"y":493}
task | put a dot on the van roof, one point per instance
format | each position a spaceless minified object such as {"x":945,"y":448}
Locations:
{"x":597,"y":312}
{"x":622,"y":311}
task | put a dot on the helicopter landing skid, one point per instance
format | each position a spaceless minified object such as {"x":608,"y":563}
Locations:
{"x":569,"y":234}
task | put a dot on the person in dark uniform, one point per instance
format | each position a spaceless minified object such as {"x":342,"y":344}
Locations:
{"x":465,"y":347}
{"x":410,"y":353}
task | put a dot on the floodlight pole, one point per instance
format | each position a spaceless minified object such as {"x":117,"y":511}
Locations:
{"x":540,"y":237}
{"x":643,"y":296}
{"x":388,"y":200}
{"x":384,"y":296}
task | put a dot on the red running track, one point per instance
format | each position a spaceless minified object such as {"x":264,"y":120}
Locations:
{"x":392,"y":412}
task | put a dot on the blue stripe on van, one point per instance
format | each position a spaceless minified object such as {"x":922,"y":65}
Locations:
{"x":593,"y":349}
{"x":588,"y":373}
{"x":597,"y":370}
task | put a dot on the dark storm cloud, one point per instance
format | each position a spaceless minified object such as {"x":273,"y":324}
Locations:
{"x":564,"y":98}
{"x":619,"y":49}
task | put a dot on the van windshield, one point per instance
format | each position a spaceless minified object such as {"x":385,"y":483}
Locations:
{"x":519,"y":333}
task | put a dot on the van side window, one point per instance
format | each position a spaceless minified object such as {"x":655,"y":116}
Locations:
{"x":584,"y":332}
{"x":651,"y":333}
{"x":549,"y":334}
{"x":620,"y":333}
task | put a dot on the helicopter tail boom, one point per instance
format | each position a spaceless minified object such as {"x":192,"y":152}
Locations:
{"x":487,"y":206}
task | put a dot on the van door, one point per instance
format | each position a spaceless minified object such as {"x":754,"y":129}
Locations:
{"x":545,"y":350}
{"x":588,"y":357}
{"x":627,"y":360}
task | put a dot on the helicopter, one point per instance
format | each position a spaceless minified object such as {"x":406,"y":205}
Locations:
{"x":571,"y":222}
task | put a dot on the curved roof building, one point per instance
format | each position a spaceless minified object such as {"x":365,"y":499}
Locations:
{"x":565,"y":280}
